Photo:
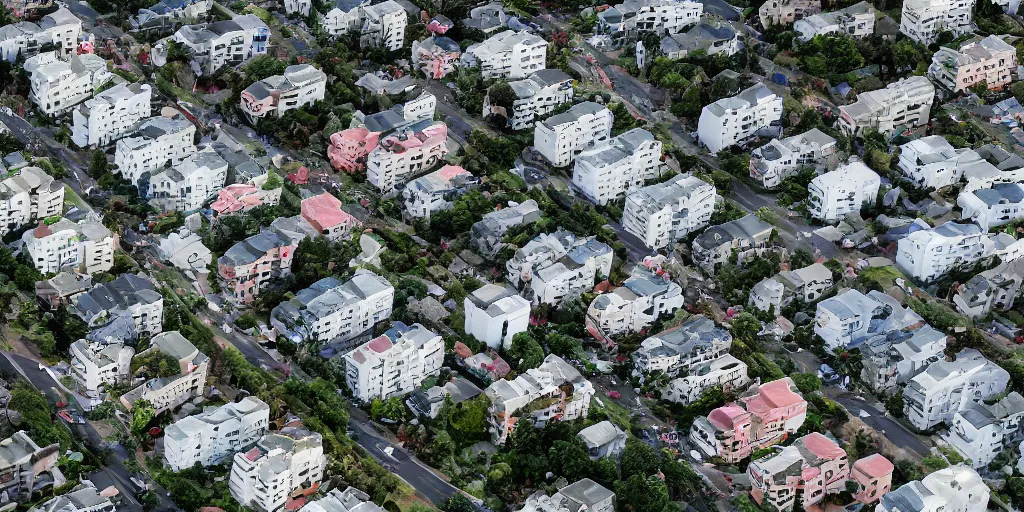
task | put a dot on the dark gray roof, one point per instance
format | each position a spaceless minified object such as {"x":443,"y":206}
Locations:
{"x":117,"y":295}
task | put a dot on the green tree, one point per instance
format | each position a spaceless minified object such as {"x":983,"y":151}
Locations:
{"x":525,"y":352}
{"x":807,"y":382}
{"x":391,"y":409}
{"x":640,"y":493}
{"x":570,"y":459}
{"x":97,"y":164}
{"x":142,"y":415}
{"x":638,"y":458}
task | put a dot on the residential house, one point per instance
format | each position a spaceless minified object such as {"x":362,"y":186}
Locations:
{"x":300,"y":7}
{"x":83,"y":498}
{"x":283,"y":463}
{"x":242,"y":197}
{"x":958,"y":488}
{"x":873,"y":477}
{"x":857,"y":21}
{"x":167,"y":393}
{"x":813,"y":467}
{"x":893,"y":358}
{"x":664,"y":213}
{"x":557,"y":266}
{"x":187,"y":186}
{"x":496,"y":313}
{"x":95,"y":365}
{"x":746,"y":235}
{"x":394,"y":363}
{"x":561,"y":137}
{"x":981,"y":431}
{"x":683,"y":349}
{"x":64,"y":29}
{"x":330,"y":310}
{"x":932,"y":162}
{"x":343,"y":16}
{"x":85,"y":245}
{"x":407,"y":151}
{"x":993,"y":207}
{"x":639,"y":302}
{"x":160,"y":142}
{"x":486,"y":234}
{"x":21,"y":8}
{"x":336,"y":500}
{"x":906,"y":102}
{"x":990,"y":60}
{"x":350,"y":148}
{"x":28,"y":195}
{"x":603,"y":439}
{"x":781,"y":158}
{"x":436,"y":191}
{"x":383,"y":26}
{"x":58,"y":85}
{"x":110,"y":115}
{"x":428,"y":402}
{"x":223,"y":43}
{"x":784,"y":12}
{"x":610,"y":170}
{"x":712,"y":36}
{"x":631,"y":17}
{"x":300,"y":85}
{"x":131,"y":297}
{"x":852,"y":316}
{"x":923,"y":20}
{"x":836,"y":194}
{"x":215,"y":434}
{"x":436,"y":56}
{"x":806,"y":284}
{"x":735,"y":119}
{"x":537,"y":96}
{"x":508,"y":54}
{"x":324,"y":213}
{"x":944,"y":388}
{"x":250,"y":265}
{"x":185,"y":250}
{"x":23,"y":38}
{"x":487,"y":18}
{"x":25,"y":466}
{"x":995,"y":289}
{"x":727,"y":372}
{"x":61,"y":289}
{"x":928,"y":254}
{"x":585,"y":495}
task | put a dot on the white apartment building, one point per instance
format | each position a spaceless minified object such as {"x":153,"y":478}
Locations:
{"x":300,"y":7}
{"x":726,"y":371}
{"x":784,"y":12}
{"x":782,"y":158}
{"x":609,"y":171}
{"x":27,"y":467}
{"x":556,"y":266}
{"x":994,"y":289}
{"x":64,"y":29}
{"x":852,"y":316}
{"x":747,"y":236}
{"x":507,"y":54}
{"x":713,"y":36}
{"x":893,"y":358}
{"x":167,"y":393}
{"x":435,"y":191}
{"x":159,"y":142}
{"x":331,"y":310}
{"x":58,"y":85}
{"x":394,"y":363}
{"x":905,"y":102}
{"x":186,"y":186}
{"x":29,"y":194}
{"x":660,"y":16}
{"x":836,"y":194}
{"x":282,"y":463}
{"x":95,"y":365}
{"x":130,"y":297}
{"x":992,"y":207}
{"x":931,"y":162}
{"x":955,"y":489}
{"x":407,"y":151}
{"x":336,"y":500}
{"x":982,"y":431}
{"x":638,"y":303}
{"x":486,"y":236}
{"x":922,"y":20}
{"x":300,"y":85}
{"x":384,"y":26}
{"x":343,"y":16}
{"x":684,"y":349}
{"x":929,"y":254}
{"x":584,"y":495}
{"x":83,"y":498}
{"x":935,"y":395}
{"x":215,"y":434}
{"x":110,"y":115}
{"x":732,"y":120}
{"x":857,"y":21}
{"x":990,"y":60}
{"x":86,"y":245}
{"x":806,"y":284}
{"x":222,"y":43}
{"x":663,"y":213}
{"x":536,"y":96}
{"x":495,"y":313}
{"x":561,"y":137}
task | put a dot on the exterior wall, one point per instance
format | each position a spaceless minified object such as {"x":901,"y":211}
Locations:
{"x":922,"y":20}
{"x":148,"y":155}
{"x":731,"y":120}
{"x":103,"y":123}
{"x":560,"y":143}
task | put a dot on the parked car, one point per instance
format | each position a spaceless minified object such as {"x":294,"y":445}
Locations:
{"x":614,"y":394}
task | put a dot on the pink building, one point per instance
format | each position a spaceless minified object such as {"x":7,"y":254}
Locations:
{"x":436,"y":56}
{"x":249,"y":265}
{"x":349,"y":148}
{"x":873,"y":475}
{"x":242,"y":197}
{"x":814,"y":467}
{"x":439,"y":25}
{"x":324,"y":213}
{"x":761,"y":418}
{"x":405,"y":152}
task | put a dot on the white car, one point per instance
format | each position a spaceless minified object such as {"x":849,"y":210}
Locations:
{"x":42,"y":367}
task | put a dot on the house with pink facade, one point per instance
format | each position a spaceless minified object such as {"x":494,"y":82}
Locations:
{"x":990,"y":60}
{"x":324,"y":213}
{"x":406,"y":152}
{"x":242,"y":197}
{"x":762,"y":417}
{"x":811,"y":468}
{"x":349,"y":148}
{"x":436,"y":56}
{"x":873,"y":476}
{"x":248,"y":266}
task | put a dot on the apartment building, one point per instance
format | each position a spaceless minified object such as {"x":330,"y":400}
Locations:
{"x":508,"y":55}
{"x":394,"y":363}
{"x":349,"y":148}
{"x":944,"y":388}
{"x":681,"y":350}
{"x":131,"y":298}
{"x":993,"y":207}
{"x":324,"y":213}
{"x":436,"y":56}
{"x":906,"y":102}
{"x":610,"y":170}
{"x":712,"y":36}
{"x":28,"y":195}
{"x":407,"y":151}
{"x":248,"y":266}
{"x":343,"y":16}
{"x":836,"y":194}
{"x":215,"y":434}
{"x":495,"y":313}
{"x":332,"y":310}
{"x":242,"y":197}
{"x":664,"y":213}
{"x":300,"y":85}
{"x":893,"y":358}
{"x":61,"y":289}
{"x":762,"y":417}
{"x":557,"y":266}
{"x":95,"y":365}
{"x":21,"y":8}
{"x":110,"y":115}
{"x":583,"y":495}
{"x":932,"y":162}
{"x":852,"y":316}
{"x":872,"y":476}
{"x":283,"y":463}
{"x":658,"y":16}
{"x":436,"y":191}
{"x":86,"y":245}
{"x":784,"y":12}
{"x":159,"y":142}
{"x":928,"y":254}
{"x":806,"y":284}
{"x":300,"y":7}
{"x":747,"y":235}
{"x":988,"y":60}
{"x":537,"y":96}
{"x":336,"y":500}
{"x":64,"y":29}
{"x":383,"y":26}
{"x":167,"y":393}
{"x":958,"y":488}
{"x":83,"y":498}
{"x":223,"y":43}
{"x":995,"y":289}
{"x":981,"y":431}
{"x":485,"y":237}
{"x":781,"y":158}
{"x":807,"y":471}
{"x":554,"y":391}
{"x":735,"y":119}
{"x":603,"y":439}
{"x":857,"y":21}
{"x":923,"y":20}
{"x":727,"y":372}
{"x":188,"y":185}
{"x":24,"y":465}
{"x":639,"y":302}
{"x":22,"y":38}
{"x":560,"y":138}
{"x":59,"y":85}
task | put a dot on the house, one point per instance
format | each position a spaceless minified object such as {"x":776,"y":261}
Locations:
{"x":906,"y":102}
{"x":664,"y":213}
{"x":343,"y":16}
{"x":28,"y":195}
{"x":486,"y":235}
{"x":160,"y":142}
{"x":603,"y":439}
{"x":554,"y":391}
{"x":324,"y":213}
{"x":110,"y":115}
{"x":784,"y":12}
{"x":167,"y":393}
{"x":250,"y":265}
{"x":215,"y":434}
{"x":58,"y":85}
{"x":727,"y":372}
{"x":185,"y":250}
{"x":712,"y":36}
{"x":762,"y":417}
{"x":852,"y":316}
{"x":349,"y":148}
{"x":64,"y":29}
{"x":166,"y":13}
{"x":336,"y":500}
{"x":283,"y":464}
{"x":428,"y":402}
{"x":989,"y":60}
{"x":83,"y":498}
{"x":562,"y":137}
{"x":806,"y":284}
{"x":406,"y":151}
{"x":383,"y":26}
{"x":944,"y":388}
{"x":130,"y":296}
{"x":300,"y":7}
{"x":639,"y":302}
{"x":981,"y":431}
{"x":813,"y":467}
{"x":188,"y":185}
{"x":683,"y":349}
{"x":557,"y":266}
{"x":394,"y":363}
{"x":872,"y":476}
{"x":223,"y":43}
{"x":932,"y":162}
{"x":21,"y":8}
{"x":95,"y":365}
{"x":487,"y":18}
{"x":585,"y":495}
{"x":836,"y":194}
{"x":994,"y":289}
{"x":929,"y":254}
{"x":382,"y":83}
{"x":495,"y":313}
{"x":857,"y":21}
{"x":436,"y":191}
{"x":300,"y":85}
{"x":242,"y":197}
{"x":85,"y":245}
{"x":61,"y":289}
{"x":22,"y":38}
{"x":732,"y":120}
{"x":956,"y":488}
{"x":781,"y":158}
{"x":993,"y":207}
{"x":746,"y":235}
{"x":26,"y":467}
{"x":923,"y":20}
{"x":660,"y":17}
{"x":893,"y":358}
{"x":508,"y":54}
{"x":331,"y":310}
{"x":610,"y":170}
{"x":436,"y":56}
{"x":537,"y":96}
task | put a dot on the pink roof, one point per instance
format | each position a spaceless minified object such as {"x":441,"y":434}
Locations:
{"x":874,"y":465}
{"x":777,"y":394}
{"x":822,"y":446}
{"x":380,"y":344}
{"x":349,"y":146}
{"x":450,"y":172}
{"x":725,"y":417}
{"x":233,"y":198}
{"x":417,"y":139}
{"x":253,"y":454}
{"x":324,"y":212}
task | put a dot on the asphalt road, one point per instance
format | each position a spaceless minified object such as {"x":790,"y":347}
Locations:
{"x":877,"y":419}
{"x":28,"y":134}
